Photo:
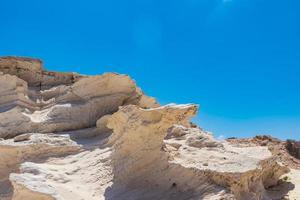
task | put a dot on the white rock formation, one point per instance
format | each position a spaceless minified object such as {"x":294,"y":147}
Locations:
{"x":72,"y":137}
{"x":65,"y":106}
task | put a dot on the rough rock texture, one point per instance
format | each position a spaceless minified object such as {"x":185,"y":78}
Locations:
{"x":64,"y":106}
{"x":293,"y":147}
{"x":66,"y":136}
{"x":289,"y":183}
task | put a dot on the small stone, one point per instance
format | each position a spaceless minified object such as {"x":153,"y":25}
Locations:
{"x":22,"y":137}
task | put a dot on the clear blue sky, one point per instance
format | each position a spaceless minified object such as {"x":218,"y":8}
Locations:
{"x":238,"y":59}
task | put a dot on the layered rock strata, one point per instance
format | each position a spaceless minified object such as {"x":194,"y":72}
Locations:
{"x":67,"y":136}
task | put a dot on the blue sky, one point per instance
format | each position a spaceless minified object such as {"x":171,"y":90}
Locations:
{"x":238,"y":59}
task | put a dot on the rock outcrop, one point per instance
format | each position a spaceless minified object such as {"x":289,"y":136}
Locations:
{"x":293,"y":147}
{"x":67,"y":136}
{"x":61,"y":106}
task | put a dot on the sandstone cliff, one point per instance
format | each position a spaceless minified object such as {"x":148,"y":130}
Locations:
{"x":67,"y":136}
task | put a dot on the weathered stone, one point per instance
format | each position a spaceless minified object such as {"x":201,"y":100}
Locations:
{"x":293,"y":147}
{"x":66,"y":136}
{"x":22,"y":137}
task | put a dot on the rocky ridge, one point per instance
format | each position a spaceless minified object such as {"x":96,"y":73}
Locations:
{"x":68,"y":136}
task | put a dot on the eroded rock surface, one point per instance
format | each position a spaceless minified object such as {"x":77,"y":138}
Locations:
{"x":62,"y":106}
{"x":72,"y":137}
